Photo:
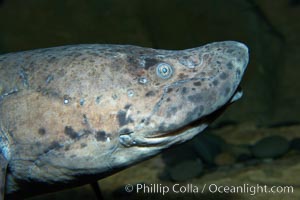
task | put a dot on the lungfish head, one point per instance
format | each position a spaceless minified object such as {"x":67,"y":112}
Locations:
{"x":178,"y":92}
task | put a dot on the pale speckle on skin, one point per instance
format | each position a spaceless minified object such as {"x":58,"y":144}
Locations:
{"x":130,"y":93}
{"x":142,"y":80}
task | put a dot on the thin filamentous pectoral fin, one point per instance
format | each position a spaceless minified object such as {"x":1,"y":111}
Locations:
{"x":3,"y":164}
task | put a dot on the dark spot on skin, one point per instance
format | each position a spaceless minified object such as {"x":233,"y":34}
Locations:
{"x":86,"y":132}
{"x":42,"y":131}
{"x":145,"y":121}
{"x":85,"y":119}
{"x":199,"y":110}
{"x":150,"y":94}
{"x":122,"y":118}
{"x":69,"y":131}
{"x":171,"y":111}
{"x":195,"y":98}
{"x":229,"y":65}
{"x":125,"y":131}
{"x":184,"y":91}
{"x":98,"y":99}
{"x":230,"y":50}
{"x":193,"y":89}
{"x":198,"y":83}
{"x":194,"y":114}
{"x":168,"y":99}
{"x":169,"y":90}
{"x":215,"y":82}
{"x":101,"y":136}
{"x":163,"y":128}
{"x":127,"y":106}
{"x":82,"y":145}
{"x":67,"y":148}
{"x":238,"y":72}
{"x":226,"y":92}
{"x":223,"y":76}
{"x":149,"y":62}
{"x":132,"y":60}
{"x":53,"y":145}
{"x":182,"y":76}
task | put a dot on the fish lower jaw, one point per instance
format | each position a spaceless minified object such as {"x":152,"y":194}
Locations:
{"x":167,"y":140}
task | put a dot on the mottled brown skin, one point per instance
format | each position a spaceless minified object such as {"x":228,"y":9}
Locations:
{"x":67,"y":113}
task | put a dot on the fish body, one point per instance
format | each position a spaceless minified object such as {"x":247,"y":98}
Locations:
{"x":77,"y":113}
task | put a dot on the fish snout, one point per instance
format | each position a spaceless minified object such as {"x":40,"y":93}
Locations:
{"x":237,"y":54}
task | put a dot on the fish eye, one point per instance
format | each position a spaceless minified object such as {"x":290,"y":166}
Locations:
{"x":164,"y":70}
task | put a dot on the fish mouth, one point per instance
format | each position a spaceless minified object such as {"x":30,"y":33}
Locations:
{"x":205,"y":120}
{"x":183,"y":133}
{"x":179,"y":135}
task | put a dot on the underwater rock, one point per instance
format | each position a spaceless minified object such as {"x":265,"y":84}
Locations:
{"x":252,"y":162}
{"x":238,"y":166}
{"x":186,"y":170}
{"x":244,"y":158}
{"x":239,"y":151}
{"x":164,"y":175}
{"x":224,"y":158}
{"x":208,"y":146}
{"x":295,"y":144}
{"x":180,"y":159}
{"x":270,"y":147}
{"x":178,"y":154}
